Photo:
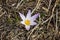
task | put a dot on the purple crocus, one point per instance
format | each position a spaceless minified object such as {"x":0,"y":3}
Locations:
{"x":28,"y":20}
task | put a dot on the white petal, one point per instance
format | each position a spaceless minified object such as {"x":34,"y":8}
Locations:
{"x":34,"y":17}
{"x":27,"y":27}
{"x":33,"y":23}
{"x":28,"y":14}
{"x":22,"y":16}
{"x":22,"y":22}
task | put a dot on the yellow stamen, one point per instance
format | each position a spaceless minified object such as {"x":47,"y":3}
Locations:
{"x":27,"y":22}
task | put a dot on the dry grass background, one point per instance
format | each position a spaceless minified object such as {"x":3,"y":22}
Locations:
{"x":48,"y":27}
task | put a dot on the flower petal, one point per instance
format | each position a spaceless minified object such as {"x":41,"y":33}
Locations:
{"x":33,"y":18}
{"x":28,"y":14}
{"x":22,"y":16}
{"x":33,"y":23}
{"x":27,"y":27}
{"x":22,"y":22}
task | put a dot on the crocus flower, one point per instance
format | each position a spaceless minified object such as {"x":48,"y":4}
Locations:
{"x":28,"y":20}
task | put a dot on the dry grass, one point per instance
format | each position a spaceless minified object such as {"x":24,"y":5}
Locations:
{"x":48,"y":27}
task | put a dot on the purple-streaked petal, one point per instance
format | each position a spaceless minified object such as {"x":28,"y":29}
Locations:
{"x":27,"y":27}
{"x":28,"y":14}
{"x":22,"y":16}
{"x":33,"y":18}
{"x":33,"y":23}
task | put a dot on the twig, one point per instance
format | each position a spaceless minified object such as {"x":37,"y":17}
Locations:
{"x":33,"y":30}
{"x":19,"y":4}
{"x":55,"y":6}
{"x":17,"y":35}
{"x":45,"y":9}
{"x":0,"y":9}
{"x":2,"y":14}
{"x":37,"y":6}
{"x":56,"y":21}
{"x":49,"y":4}
{"x":47,"y":19}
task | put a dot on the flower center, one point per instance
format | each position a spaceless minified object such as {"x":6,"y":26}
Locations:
{"x":27,"y":22}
